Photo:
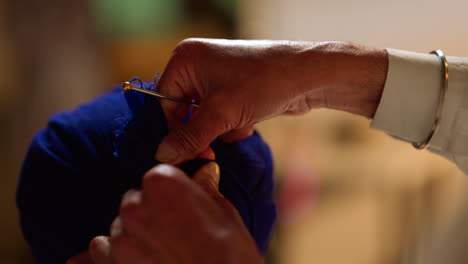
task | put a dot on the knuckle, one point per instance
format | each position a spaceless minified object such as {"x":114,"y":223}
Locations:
{"x":151,"y":178}
{"x":192,"y":43}
{"x":161,"y":179}
{"x":190,"y":47}
{"x":99,"y":247}
{"x":157,"y":174}
{"x":131,"y":211}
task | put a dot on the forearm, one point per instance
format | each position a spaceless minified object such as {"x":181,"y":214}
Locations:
{"x":351,"y":78}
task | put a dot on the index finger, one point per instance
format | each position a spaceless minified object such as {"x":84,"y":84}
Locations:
{"x":178,"y":80}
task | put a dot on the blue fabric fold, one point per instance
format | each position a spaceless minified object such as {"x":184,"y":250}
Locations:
{"x":78,"y":167}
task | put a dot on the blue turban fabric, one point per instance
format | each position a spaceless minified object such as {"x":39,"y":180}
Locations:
{"x":78,"y":167}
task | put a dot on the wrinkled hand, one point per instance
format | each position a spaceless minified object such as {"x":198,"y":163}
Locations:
{"x":239,"y":83}
{"x":175,"y":220}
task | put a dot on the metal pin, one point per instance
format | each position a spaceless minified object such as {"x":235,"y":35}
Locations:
{"x":127,"y":86}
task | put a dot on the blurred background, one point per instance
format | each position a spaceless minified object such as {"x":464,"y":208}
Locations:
{"x":347,"y":194}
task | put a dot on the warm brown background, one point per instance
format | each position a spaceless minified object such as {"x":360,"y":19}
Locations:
{"x":363,"y":197}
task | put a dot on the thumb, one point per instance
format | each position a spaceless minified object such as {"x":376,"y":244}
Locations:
{"x":187,"y":140}
{"x":208,"y":178}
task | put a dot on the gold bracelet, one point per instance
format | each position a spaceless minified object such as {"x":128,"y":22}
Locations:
{"x":443,"y":91}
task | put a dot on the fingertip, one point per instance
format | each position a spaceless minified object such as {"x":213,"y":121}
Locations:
{"x":189,"y":139}
{"x":168,"y":153}
{"x":207,"y":153}
{"x":100,"y":250}
{"x":97,"y":243}
{"x":208,"y":177}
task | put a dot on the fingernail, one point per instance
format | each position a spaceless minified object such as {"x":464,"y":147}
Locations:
{"x":166,"y":153}
{"x":212,"y":169}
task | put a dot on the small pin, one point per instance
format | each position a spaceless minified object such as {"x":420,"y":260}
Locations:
{"x":127,"y":86}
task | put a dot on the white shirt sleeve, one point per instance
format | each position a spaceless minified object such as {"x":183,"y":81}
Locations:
{"x":410,"y":98}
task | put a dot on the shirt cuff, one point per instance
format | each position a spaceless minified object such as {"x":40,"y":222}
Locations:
{"x":408,"y":107}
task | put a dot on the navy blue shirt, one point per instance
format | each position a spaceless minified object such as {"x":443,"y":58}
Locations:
{"x":78,"y":167}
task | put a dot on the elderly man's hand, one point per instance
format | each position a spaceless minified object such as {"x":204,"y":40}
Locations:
{"x":175,"y":220}
{"x":242,"y":82}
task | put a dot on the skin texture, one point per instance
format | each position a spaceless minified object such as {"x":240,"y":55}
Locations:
{"x":152,"y":226}
{"x":239,"y":83}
